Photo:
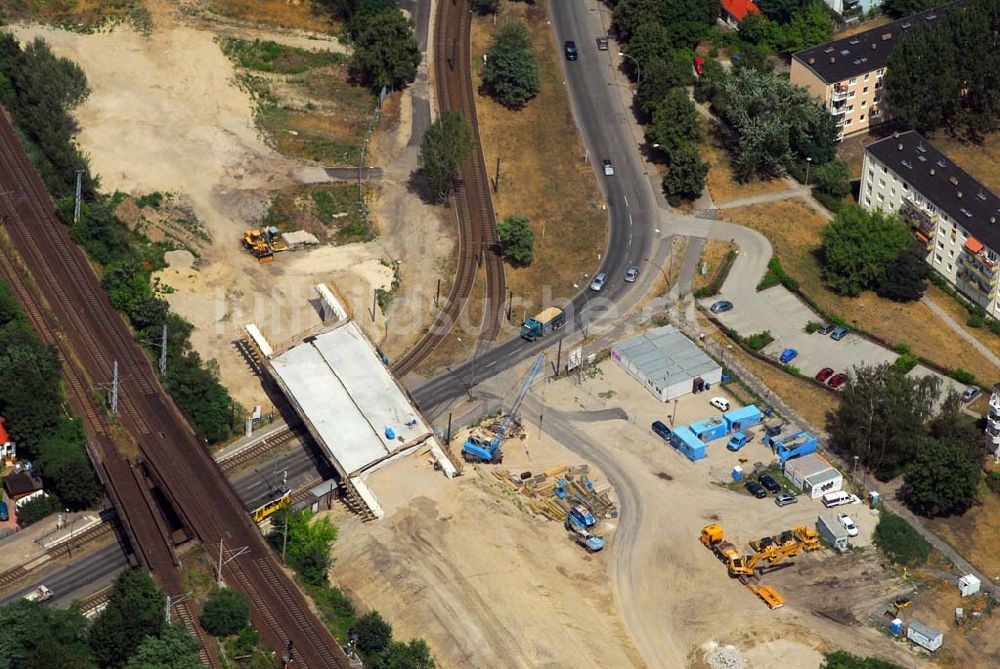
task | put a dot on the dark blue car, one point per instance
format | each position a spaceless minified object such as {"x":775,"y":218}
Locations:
{"x":662,"y":430}
{"x":788,"y":355}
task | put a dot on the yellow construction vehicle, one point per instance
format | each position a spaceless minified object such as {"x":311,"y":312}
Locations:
{"x":746,"y":567}
{"x":769,"y":595}
{"x":257,"y":245}
{"x":808,"y":537}
{"x":779,"y":540}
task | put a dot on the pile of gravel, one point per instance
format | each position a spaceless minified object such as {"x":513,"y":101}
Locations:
{"x":723,"y":657}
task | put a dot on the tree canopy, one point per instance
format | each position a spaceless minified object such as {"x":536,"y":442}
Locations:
{"x":374,"y":633}
{"x":385,"y":52}
{"x":942,"y":479}
{"x":134,"y":612}
{"x":225,"y":612}
{"x":447,"y":142}
{"x":36,"y":636}
{"x":398,"y":655}
{"x":685,"y":177}
{"x":308,"y":544}
{"x":905,"y":278}
{"x":517,"y":239}
{"x":676,"y":122}
{"x":175,"y":648}
{"x":510,"y":73}
{"x":686,"y":21}
{"x":858,"y":247}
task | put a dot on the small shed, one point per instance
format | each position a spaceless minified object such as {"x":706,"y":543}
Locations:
{"x":968,"y":585}
{"x":665,"y":362}
{"x":924,"y":636}
{"x":742,"y":418}
{"x":828,"y":480}
{"x":710,"y":428}
{"x":813,"y":475}
{"x":835,"y":534}
{"x":684,"y":440}
{"x":22,"y":486}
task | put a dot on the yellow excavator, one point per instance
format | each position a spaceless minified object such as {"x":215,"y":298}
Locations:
{"x":263,"y":243}
{"x":747,"y":567}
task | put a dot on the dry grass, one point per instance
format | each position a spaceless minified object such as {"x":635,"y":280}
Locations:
{"x":976,"y":534}
{"x":459,"y":344}
{"x":543,"y":173}
{"x":712,"y":255}
{"x":721,"y":181}
{"x":980,"y":160}
{"x":298,"y":14}
{"x":852,"y":151}
{"x":809,"y":400}
{"x":959,"y":313}
{"x":794,"y":231}
{"x":85,"y":15}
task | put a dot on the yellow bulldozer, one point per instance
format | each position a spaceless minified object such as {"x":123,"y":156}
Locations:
{"x":263,"y":243}
{"x":770,"y":554}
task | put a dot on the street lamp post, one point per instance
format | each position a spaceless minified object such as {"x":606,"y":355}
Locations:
{"x":809,"y":162}
{"x":638,"y":72}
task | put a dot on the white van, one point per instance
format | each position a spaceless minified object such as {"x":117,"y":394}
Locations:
{"x":720,"y":403}
{"x":832,"y":499}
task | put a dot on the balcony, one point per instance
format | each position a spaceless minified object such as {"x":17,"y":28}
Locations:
{"x":994,"y":415}
{"x":923,"y":222}
{"x":837,"y":110}
{"x":839,"y":93}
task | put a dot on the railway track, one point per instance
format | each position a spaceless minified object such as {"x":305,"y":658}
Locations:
{"x":476,"y":219}
{"x":70,"y":310}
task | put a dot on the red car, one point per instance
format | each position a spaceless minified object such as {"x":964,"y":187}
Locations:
{"x":824,"y":374}
{"x":837,"y":380}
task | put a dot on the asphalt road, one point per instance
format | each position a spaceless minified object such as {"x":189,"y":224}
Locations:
{"x":94,"y":569}
{"x":632,"y":209}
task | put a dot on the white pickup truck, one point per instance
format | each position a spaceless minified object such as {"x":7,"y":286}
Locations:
{"x":39,"y":594}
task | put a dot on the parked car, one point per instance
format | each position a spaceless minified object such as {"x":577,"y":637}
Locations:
{"x":569,"y":48}
{"x":824,"y":374}
{"x":721,"y":306}
{"x":849,"y":525}
{"x":770,"y":484}
{"x":774,"y":429}
{"x":599,"y":280}
{"x":826,"y":328}
{"x":631,"y":274}
{"x":788,"y":355}
{"x":720,"y":403}
{"x":609,"y":169}
{"x":970,"y":394}
{"x":839,"y":333}
{"x":662,"y":430}
{"x":785,"y":499}
{"x":602,"y":43}
{"x":4,"y":512}
{"x":755,"y":489}
{"x":837,"y":380}
{"x":832,"y":499}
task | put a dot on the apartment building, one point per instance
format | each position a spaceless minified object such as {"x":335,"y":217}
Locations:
{"x":847,"y":74}
{"x":952,"y":214}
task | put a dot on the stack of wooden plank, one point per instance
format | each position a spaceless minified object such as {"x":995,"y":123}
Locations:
{"x":540,"y":491}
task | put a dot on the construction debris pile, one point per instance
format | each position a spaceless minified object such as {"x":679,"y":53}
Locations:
{"x":490,"y":428}
{"x":555,"y":492}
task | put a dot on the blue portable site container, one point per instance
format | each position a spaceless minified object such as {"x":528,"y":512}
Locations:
{"x":710,"y":429}
{"x":742,"y":418}
{"x":687,"y":443}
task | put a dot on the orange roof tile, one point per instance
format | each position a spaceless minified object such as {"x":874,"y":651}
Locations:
{"x":738,"y":9}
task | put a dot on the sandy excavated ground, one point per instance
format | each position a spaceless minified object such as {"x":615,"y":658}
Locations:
{"x":488,"y":585}
{"x":164,"y":115}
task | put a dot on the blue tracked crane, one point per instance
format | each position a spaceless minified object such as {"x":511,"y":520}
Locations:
{"x":478,"y":449}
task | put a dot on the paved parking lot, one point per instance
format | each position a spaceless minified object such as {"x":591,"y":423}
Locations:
{"x":785,"y":315}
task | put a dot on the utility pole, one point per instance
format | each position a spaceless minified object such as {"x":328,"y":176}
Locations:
{"x":218,"y":578}
{"x":284,"y":540}
{"x":163,"y":352}
{"x":559,"y":357}
{"x":437,"y":298}
{"x":496,"y":181}
{"x":79,"y":194}
{"x":114,"y":389}
{"x":448,"y":440}
{"x":374,"y":302}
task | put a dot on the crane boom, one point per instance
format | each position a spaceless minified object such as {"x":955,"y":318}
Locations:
{"x":478,"y":449}
{"x":535,"y":368}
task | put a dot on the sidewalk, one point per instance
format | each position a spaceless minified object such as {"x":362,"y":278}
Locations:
{"x":957,"y":328}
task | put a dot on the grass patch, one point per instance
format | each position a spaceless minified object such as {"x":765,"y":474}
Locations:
{"x":976,"y":533}
{"x":85,"y":16}
{"x":901,"y":543}
{"x":794,"y":230}
{"x":756,"y":342}
{"x":332,"y":212}
{"x":543,"y":173}
{"x":720,"y":276}
{"x":776,"y":274}
{"x":268,"y":56}
{"x":305,"y":15}
{"x":721,"y":180}
{"x":713,"y":255}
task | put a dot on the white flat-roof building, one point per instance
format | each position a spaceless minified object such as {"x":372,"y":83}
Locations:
{"x":666,"y":362}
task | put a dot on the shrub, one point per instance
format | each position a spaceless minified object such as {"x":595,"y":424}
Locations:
{"x":900,"y":542}
{"x":905,"y":363}
{"x":974,"y":321}
{"x":225,"y":613}
{"x":510,"y":72}
{"x":841,"y":659}
{"x":812,"y":326}
{"x":776,"y":274}
{"x":517,"y":239}
{"x":374,"y":633}
{"x":720,"y":277}
{"x":963,"y":376}
{"x":34,"y":510}
{"x":993,"y":481}
{"x":756,"y":342}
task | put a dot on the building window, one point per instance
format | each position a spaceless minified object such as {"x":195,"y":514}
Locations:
{"x":880,"y":71}
{"x":881,"y":183}
{"x":906,"y":186}
{"x":866,"y":90}
{"x":867,"y":74}
{"x":884,"y":170}
{"x":937,"y":258}
{"x":852,"y":80}
{"x":848,"y":122}
{"x":871,"y":173}
{"x":951,"y":253}
{"x":940,"y":246}
{"x":893,"y":191}
{"x":881,"y":197}
{"x":876,"y":100}
{"x":864,"y":103}
{"x":868,"y":200}
{"x":949,"y":267}
{"x":869,"y":186}
{"x":850,"y":95}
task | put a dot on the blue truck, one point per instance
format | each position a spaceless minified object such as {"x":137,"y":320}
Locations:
{"x":552,"y":318}
{"x":740,"y":439}
{"x":792,"y":446}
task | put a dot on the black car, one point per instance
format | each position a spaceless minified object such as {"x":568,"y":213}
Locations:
{"x":569,"y":48}
{"x":826,"y":328}
{"x":768,"y":482}
{"x":662,"y":430}
{"x":755,"y":489}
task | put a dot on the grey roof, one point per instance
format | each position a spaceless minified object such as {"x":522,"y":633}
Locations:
{"x":950,"y":188}
{"x":807,"y":465}
{"x":666,"y":356}
{"x":868,"y":50}
{"x":923,"y":629}
{"x":817,"y":480}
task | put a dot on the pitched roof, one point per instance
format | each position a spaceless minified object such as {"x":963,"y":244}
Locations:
{"x":866,"y":51}
{"x":738,"y":9}
{"x":4,"y":437}
{"x":21,"y":483}
{"x":950,"y":188}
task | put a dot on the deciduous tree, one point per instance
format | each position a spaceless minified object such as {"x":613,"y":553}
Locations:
{"x":43,"y":637}
{"x":225,"y":612}
{"x":134,"y":612}
{"x":308,"y":544}
{"x":443,"y":147}
{"x":374,"y":633}
{"x":385,"y":53}
{"x":858,"y":247}
{"x":175,"y":648}
{"x":676,"y":122}
{"x":399,"y":655}
{"x":942,"y":479}
{"x":517,"y":239}
{"x":906,"y":277}
{"x":685,"y":178}
{"x":510,"y":73}
{"x":833,"y":178}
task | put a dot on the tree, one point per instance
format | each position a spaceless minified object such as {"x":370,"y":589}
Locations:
{"x":659,"y":76}
{"x":901,"y":8}
{"x":33,"y":510}
{"x":374,"y":633}
{"x":942,"y":479}
{"x":676,"y":122}
{"x":759,"y":30}
{"x":841,"y":659}
{"x":686,"y":21}
{"x":651,"y":40}
{"x":628,"y":15}
{"x":685,"y":178}
{"x":921,"y":86}
{"x":366,"y":11}
{"x":809,"y":27}
{"x":134,"y":612}
{"x":517,"y":239}
{"x":447,"y":142}
{"x":398,"y":655}
{"x":906,"y":277}
{"x":385,"y":53}
{"x":833,"y":178}
{"x":510,"y":73}
{"x":308,"y":543}
{"x":43,"y":637}
{"x":225,"y":613}
{"x":858,"y":246}
{"x":30,"y":396}
{"x":782,"y":11}
{"x":709,"y":86}
{"x":901,"y":543}
{"x":881,"y":417}
{"x":175,"y":648}
{"x":486,"y":6}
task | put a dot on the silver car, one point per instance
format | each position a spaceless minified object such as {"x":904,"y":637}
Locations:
{"x":631,"y":274}
{"x":599,"y":280}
